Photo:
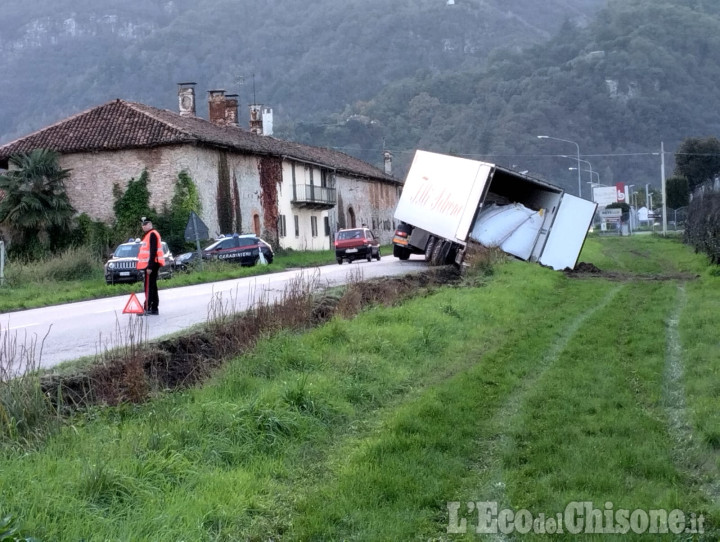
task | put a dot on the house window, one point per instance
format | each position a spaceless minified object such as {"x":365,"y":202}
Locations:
{"x":282,"y":226}
{"x":297,"y":226}
{"x":326,"y":220}
{"x":313,"y":226}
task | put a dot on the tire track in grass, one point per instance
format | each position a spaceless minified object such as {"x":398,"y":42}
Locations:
{"x":508,"y":412}
{"x":688,"y":451}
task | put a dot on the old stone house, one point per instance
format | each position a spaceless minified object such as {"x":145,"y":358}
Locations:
{"x":292,"y":194}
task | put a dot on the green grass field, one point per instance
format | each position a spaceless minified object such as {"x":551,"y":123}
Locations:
{"x":533,"y":391}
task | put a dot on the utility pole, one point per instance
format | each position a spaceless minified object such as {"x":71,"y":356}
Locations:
{"x":664,"y":194}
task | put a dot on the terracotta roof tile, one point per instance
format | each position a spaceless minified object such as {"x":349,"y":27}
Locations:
{"x":119,"y":125}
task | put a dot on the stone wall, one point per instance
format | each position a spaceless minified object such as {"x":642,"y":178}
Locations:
{"x":94,"y":174}
{"x":370,"y":202}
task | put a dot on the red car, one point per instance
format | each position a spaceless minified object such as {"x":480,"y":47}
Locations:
{"x":356,"y":243}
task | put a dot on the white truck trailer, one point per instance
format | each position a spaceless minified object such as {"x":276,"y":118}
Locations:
{"x":447,"y":201}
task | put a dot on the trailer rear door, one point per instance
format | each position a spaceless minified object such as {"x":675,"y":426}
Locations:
{"x":441,"y":194}
{"x":568,"y":232}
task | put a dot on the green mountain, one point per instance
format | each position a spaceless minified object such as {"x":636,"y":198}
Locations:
{"x":643,"y":72}
{"x":480,"y":78}
{"x":306,"y":60}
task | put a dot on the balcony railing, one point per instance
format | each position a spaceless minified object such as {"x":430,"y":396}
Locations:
{"x":313,"y":196}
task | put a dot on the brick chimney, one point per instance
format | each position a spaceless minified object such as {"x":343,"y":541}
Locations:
{"x":231,"y":110}
{"x":216,"y":105}
{"x":388,"y":162}
{"x":186,"y":99}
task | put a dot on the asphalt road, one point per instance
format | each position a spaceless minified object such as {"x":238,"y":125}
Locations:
{"x":68,"y":332}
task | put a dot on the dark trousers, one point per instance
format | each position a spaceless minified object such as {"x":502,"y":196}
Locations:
{"x":152,"y":299}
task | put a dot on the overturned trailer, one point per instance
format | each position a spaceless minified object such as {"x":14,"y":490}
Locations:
{"x":448,"y":201}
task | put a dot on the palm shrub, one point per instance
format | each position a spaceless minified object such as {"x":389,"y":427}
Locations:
{"x":36,"y":209}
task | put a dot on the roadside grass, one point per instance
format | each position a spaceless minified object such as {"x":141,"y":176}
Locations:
{"x":594,"y":427}
{"x":642,"y":254}
{"x":245,"y":448}
{"x":698,"y":327}
{"x":70,"y":278}
{"x":533,"y":389}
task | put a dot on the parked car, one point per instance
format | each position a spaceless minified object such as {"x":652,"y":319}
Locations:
{"x":243,"y":249}
{"x":122,"y":266}
{"x":186,"y":260}
{"x":356,"y":243}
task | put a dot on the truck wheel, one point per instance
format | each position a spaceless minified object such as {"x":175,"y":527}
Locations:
{"x":436,"y":258}
{"x":369,"y":255}
{"x":452,"y":254}
{"x":401,"y":252}
{"x":429,"y":248}
{"x":377,"y":256}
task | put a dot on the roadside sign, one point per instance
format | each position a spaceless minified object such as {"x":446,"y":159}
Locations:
{"x":133,"y":306}
{"x":604,"y":195}
{"x":610,"y":213}
{"x":196,"y":230}
{"x":620,"y":191}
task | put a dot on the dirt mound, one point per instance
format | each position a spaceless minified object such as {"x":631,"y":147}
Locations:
{"x":583,"y":267}
{"x":589,"y":270}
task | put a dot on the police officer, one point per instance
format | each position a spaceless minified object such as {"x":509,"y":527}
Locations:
{"x":150,"y":259}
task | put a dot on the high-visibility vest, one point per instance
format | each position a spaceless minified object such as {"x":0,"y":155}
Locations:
{"x":144,"y":254}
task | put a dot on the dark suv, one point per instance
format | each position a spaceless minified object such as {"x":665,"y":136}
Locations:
{"x":244,"y":249}
{"x":356,"y":243}
{"x":122,"y":267}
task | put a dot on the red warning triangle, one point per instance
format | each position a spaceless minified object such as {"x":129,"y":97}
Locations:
{"x":133,"y":306}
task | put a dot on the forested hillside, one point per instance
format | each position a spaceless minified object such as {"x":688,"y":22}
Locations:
{"x":644,"y":71}
{"x":308,"y":59}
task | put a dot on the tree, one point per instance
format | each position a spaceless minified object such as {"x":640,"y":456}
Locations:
{"x":677,"y":192}
{"x":130,"y":206}
{"x":698,"y":160}
{"x":174,"y":219}
{"x":36,"y":209}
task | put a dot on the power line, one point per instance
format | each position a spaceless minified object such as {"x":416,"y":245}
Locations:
{"x":494,"y":155}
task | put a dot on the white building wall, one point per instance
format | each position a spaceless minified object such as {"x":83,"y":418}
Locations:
{"x":304,"y":240}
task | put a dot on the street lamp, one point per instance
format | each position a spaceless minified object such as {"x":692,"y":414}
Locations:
{"x":578,"y":158}
{"x":591,"y":174}
{"x":589,"y":165}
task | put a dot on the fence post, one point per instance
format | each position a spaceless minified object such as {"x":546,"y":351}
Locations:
{"x":2,"y":262}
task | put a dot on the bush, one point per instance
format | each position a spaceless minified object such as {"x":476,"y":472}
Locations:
{"x":72,"y":264}
{"x":702,"y":229}
{"x":92,"y":233}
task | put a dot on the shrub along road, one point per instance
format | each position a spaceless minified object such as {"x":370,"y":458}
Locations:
{"x":532,"y":389}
